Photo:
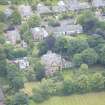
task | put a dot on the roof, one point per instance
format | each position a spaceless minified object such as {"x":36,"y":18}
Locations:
{"x":98,"y":3}
{"x":73,"y":4}
{"x":61,"y":3}
{"x":84,"y":5}
{"x":42,"y":9}
{"x":25,"y":10}
{"x":66,"y":28}
{"x":39,"y":31}
{"x":50,"y":59}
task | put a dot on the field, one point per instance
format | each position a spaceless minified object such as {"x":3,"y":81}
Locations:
{"x":86,"y":99}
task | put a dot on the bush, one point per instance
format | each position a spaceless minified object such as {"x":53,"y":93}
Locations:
{"x":89,"y":56}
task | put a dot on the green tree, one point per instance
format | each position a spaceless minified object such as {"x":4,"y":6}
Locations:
{"x":17,"y":83}
{"x":3,"y":62}
{"x":68,"y":87}
{"x":89,"y":56}
{"x":20,"y":99}
{"x":97,"y":82}
{"x":39,"y":71}
{"x":15,"y":18}
{"x":33,"y":21}
{"x":77,"y":59}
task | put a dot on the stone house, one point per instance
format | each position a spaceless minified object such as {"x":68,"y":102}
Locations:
{"x":98,"y":3}
{"x":25,"y":11}
{"x":12,"y":35}
{"x":54,"y":62}
{"x":72,"y":5}
{"x":66,"y":30}
{"x":22,"y":63}
{"x":42,"y":9}
{"x":38,"y":33}
{"x":84,"y":5}
{"x":60,"y":7}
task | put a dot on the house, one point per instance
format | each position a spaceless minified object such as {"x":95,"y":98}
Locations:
{"x":22,"y":63}
{"x":72,"y":5}
{"x":39,"y":33}
{"x":66,"y":30}
{"x":1,"y":97}
{"x":59,"y":8}
{"x":54,"y":62}
{"x":100,"y":15}
{"x":42,"y":9}
{"x":12,"y":35}
{"x":25,"y":11}
{"x":68,"y":21}
{"x":98,"y":3}
{"x":84,"y":5}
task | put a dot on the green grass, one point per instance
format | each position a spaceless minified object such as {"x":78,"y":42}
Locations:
{"x":2,"y":7}
{"x":86,"y":99}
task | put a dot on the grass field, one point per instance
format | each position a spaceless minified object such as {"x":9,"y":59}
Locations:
{"x":86,"y":99}
{"x":2,"y":7}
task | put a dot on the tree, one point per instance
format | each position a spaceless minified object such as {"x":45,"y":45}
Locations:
{"x":41,"y":93}
{"x":20,"y":99}
{"x":89,"y":56}
{"x":15,"y":18}
{"x":3,"y":62}
{"x":97,"y":82}
{"x":17,"y":83}
{"x":84,"y":68}
{"x":39,"y":71}
{"x":77,"y":59}
{"x":102,"y":54}
{"x":15,"y":78}
{"x":61,"y":45}
{"x":82,"y":83}
{"x":33,"y":21}
{"x":76,"y":46}
{"x":88,"y":21}
{"x":68,"y":87}
{"x":2,"y":17}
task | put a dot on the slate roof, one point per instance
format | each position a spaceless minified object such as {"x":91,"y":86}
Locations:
{"x":42,"y":9}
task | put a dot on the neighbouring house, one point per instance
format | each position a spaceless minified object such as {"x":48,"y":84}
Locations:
{"x":84,"y":5}
{"x":22,"y":63}
{"x":39,"y":33}
{"x":59,"y":8}
{"x":98,"y":3}
{"x":42,"y":9}
{"x":100,"y":15}
{"x":12,"y":35}
{"x":66,"y":30}
{"x":68,"y":21}
{"x":25,"y":11}
{"x":54,"y":62}
{"x":1,"y":97}
{"x":73,"y":5}
{"x":8,"y":12}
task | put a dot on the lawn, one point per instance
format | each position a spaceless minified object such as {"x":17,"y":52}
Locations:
{"x":86,"y":99}
{"x":2,"y":7}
